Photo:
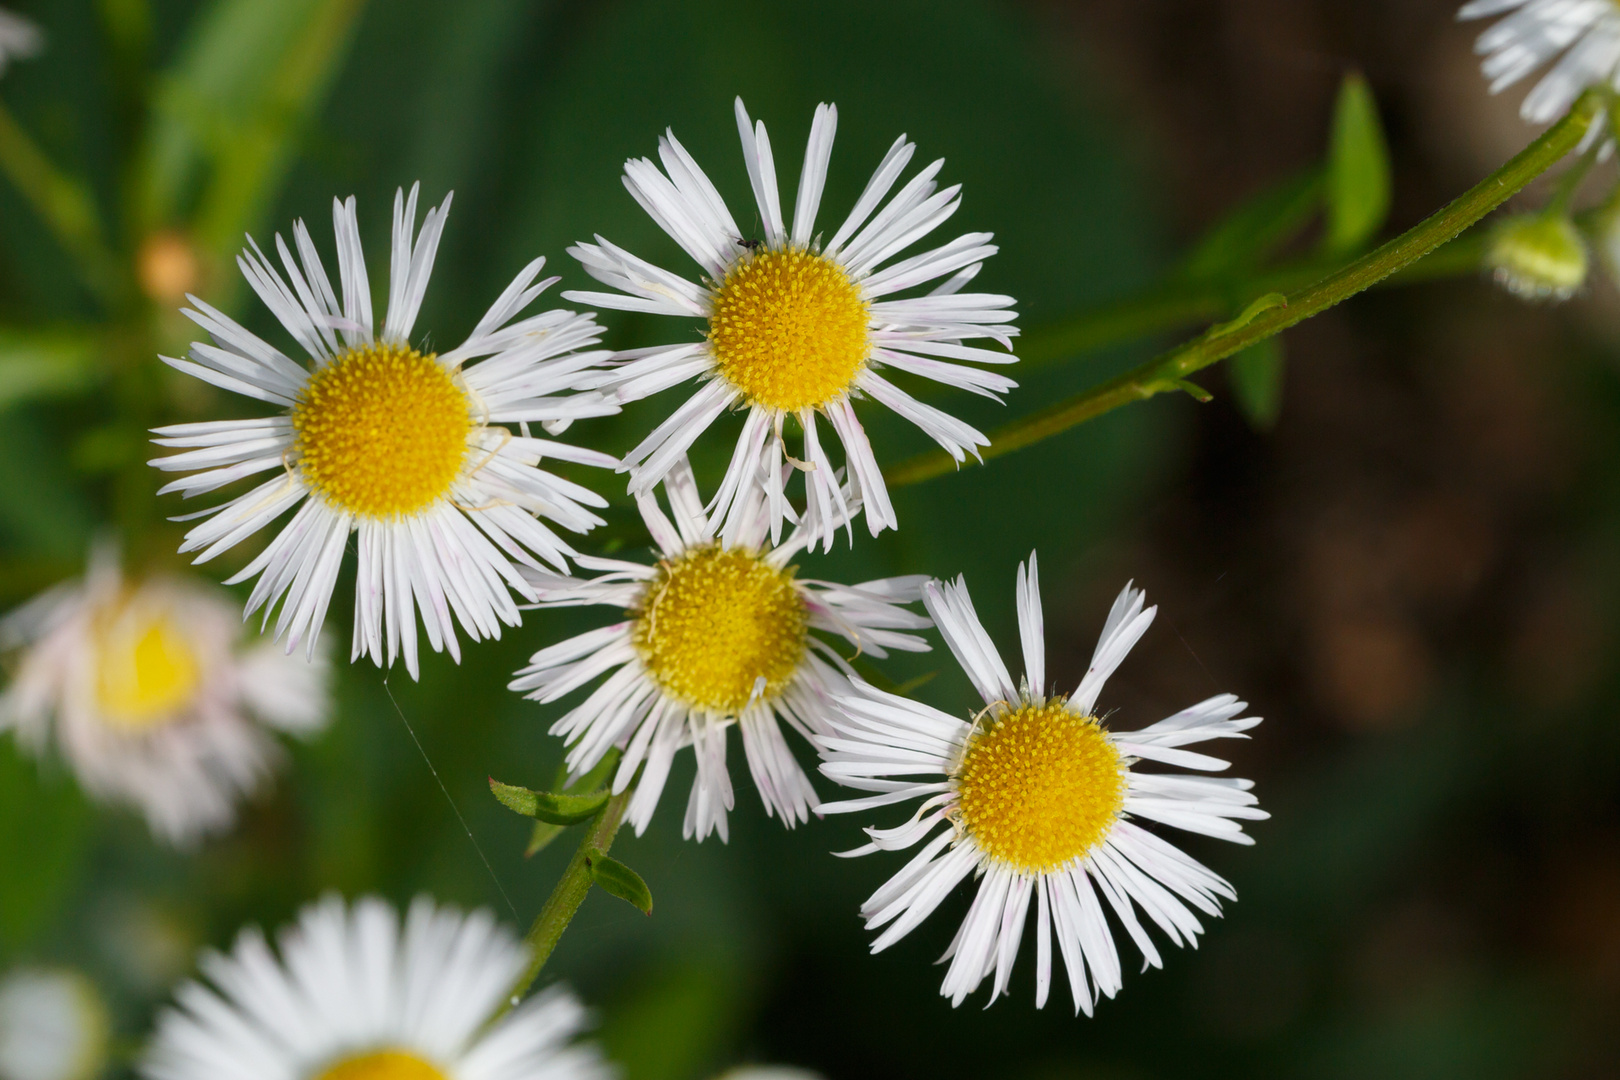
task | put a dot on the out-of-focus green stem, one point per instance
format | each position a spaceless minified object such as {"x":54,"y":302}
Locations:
{"x":1169,"y":370}
{"x":63,"y":203}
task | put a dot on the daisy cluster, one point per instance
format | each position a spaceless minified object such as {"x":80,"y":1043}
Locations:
{"x":461,"y":483}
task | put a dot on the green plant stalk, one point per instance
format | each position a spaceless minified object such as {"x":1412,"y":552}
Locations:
{"x":1169,"y":370}
{"x":570,"y":891}
{"x":63,"y":203}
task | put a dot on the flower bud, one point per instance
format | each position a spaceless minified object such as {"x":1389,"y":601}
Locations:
{"x":1538,"y":256}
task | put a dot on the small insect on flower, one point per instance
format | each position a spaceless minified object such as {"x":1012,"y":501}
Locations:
{"x":1035,"y":796}
{"x":356,"y":995}
{"x":154,"y":697}
{"x":1585,"y":33}
{"x":720,"y":633}
{"x":406,"y":449}
{"x":796,"y":328}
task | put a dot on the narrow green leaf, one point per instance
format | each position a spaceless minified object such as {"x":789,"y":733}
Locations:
{"x":1256,"y":377}
{"x":547,"y":807}
{"x":618,"y":879}
{"x":1250,"y":313}
{"x":229,"y":113}
{"x":40,"y":364}
{"x":542,"y":836}
{"x":1358,"y":181}
{"x":1257,"y":228}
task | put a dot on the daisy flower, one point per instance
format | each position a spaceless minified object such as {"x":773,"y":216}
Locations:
{"x":19,"y":39}
{"x":402,"y":447}
{"x":719,"y":632}
{"x":152,"y":696}
{"x":1036,"y":798}
{"x":354,"y":994}
{"x":53,"y":1026}
{"x":796,"y":327}
{"x":1584,"y":34}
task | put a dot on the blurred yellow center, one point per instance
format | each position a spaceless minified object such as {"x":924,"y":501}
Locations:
{"x":381,"y":431}
{"x":1040,"y":786}
{"x":146,"y":671}
{"x":716,"y":624}
{"x":383,"y":1065}
{"x":789,"y":329}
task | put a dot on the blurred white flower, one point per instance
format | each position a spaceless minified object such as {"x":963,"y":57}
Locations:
{"x":1034,"y":796}
{"x":1585,"y":34}
{"x":53,"y":1026}
{"x":20,"y":39}
{"x":356,"y":995}
{"x":405,"y":449}
{"x":797,"y":327}
{"x":153,"y":696}
{"x":719,"y":635}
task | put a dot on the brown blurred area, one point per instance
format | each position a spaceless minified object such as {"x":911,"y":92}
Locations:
{"x":1418,"y":565}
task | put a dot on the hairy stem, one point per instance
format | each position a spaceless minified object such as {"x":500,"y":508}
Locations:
{"x":571,"y":890}
{"x":1169,"y":370}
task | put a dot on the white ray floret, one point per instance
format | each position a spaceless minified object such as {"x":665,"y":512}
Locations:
{"x":800,"y":327}
{"x":1583,"y":36}
{"x":357,"y":993}
{"x":403,"y":450}
{"x":720,"y":633}
{"x":155,"y":696}
{"x":1040,"y":802}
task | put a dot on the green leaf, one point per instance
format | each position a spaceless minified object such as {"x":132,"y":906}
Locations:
{"x":553,"y":809}
{"x":1256,"y":377}
{"x":1250,"y":313}
{"x":228,"y":115}
{"x":44,"y":364}
{"x":1258,"y":227}
{"x":544,"y":833}
{"x":618,"y":879}
{"x":1358,"y":180}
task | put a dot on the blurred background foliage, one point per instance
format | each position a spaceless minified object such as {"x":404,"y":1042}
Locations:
{"x":1410,"y":569}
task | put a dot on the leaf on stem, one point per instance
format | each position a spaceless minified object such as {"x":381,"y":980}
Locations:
{"x":1250,"y":313}
{"x":1358,"y":179}
{"x":547,"y":807}
{"x":1256,"y":377}
{"x":618,"y":879}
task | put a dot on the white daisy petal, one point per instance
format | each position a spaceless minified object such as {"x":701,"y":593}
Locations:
{"x":1583,"y":34}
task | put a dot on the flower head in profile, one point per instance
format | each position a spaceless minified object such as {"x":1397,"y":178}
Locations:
{"x":356,"y":993}
{"x":53,"y":1026}
{"x":151,"y":693}
{"x":720,"y":632}
{"x":1038,"y":799}
{"x":796,"y":326}
{"x":20,"y":39}
{"x":411,"y":451}
{"x":1583,"y":36}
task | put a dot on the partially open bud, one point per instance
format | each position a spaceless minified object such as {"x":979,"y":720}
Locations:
{"x":167,"y":267}
{"x":1538,"y":256}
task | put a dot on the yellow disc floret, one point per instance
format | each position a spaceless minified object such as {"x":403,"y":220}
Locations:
{"x":715,"y":622}
{"x":1039,"y":785}
{"x":789,"y":329}
{"x":147,"y":669}
{"x":383,"y":1065}
{"x":381,"y":431}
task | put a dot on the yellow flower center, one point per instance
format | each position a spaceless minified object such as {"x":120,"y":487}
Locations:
{"x":381,"y":431}
{"x":789,"y":329}
{"x":383,"y":1065}
{"x":146,"y":670}
{"x":717,"y":621}
{"x":1039,"y":786}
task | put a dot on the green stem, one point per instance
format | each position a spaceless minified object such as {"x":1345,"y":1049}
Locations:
{"x":63,"y":202}
{"x":571,"y":890}
{"x":1168,"y":371}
